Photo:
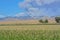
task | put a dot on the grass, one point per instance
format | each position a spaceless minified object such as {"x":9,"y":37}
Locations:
{"x":31,"y":27}
{"x":29,"y":35}
{"x":30,"y":32}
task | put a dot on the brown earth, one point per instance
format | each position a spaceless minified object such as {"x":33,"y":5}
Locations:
{"x":20,"y":22}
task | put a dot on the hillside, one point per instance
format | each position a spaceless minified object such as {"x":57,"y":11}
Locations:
{"x":24,"y":20}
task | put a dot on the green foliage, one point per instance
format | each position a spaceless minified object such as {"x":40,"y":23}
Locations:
{"x":41,"y":21}
{"x":29,"y":35}
{"x":57,"y":19}
{"x":45,"y":21}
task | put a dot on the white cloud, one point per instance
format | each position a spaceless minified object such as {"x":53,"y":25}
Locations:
{"x":21,"y":14}
{"x":26,"y":3}
{"x":48,"y":1}
{"x":33,"y":7}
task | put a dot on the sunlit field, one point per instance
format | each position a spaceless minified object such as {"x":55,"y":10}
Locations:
{"x":30,"y":32}
{"x":30,"y":27}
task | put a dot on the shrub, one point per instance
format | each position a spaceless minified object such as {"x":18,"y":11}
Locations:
{"x":43,"y":21}
{"x":57,"y":19}
{"x":46,"y":21}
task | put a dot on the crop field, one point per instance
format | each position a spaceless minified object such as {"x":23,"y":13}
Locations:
{"x":30,"y":32}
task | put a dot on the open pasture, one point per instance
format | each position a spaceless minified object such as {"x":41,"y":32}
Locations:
{"x":30,"y":32}
{"x":30,"y":27}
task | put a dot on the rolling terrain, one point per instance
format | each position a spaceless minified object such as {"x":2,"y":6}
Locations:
{"x":28,"y":30}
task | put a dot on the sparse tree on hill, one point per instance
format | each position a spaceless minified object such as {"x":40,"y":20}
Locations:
{"x":45,"y":21}
{"x":41,"y":21}
{"x":57,"y":19}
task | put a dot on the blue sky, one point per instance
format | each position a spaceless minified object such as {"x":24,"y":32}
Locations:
{"x":9,"y":7}
{"x":32,"y":8}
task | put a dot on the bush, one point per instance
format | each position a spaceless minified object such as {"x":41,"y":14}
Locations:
{"x":43,"y":21}
{"x":57,"y":19}
{"x":46,"y":21}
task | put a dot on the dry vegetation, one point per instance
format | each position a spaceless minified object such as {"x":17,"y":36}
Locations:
{"x":25,"y":22}
{"x":30,"y":32}
{"x":31,"y":27}
{"x":20,"y":22}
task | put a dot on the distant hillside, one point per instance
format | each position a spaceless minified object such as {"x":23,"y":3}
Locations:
{"x":16,"y":18}
{"x":24,"y":20}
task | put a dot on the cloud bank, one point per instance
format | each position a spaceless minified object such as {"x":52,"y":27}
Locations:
{"x":21,"y":14}
{"x":36,"y":8}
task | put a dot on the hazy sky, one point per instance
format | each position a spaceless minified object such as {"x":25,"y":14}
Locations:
{"x":29,"y":7}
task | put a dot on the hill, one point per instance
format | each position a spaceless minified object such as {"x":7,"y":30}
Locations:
{"x":24,"y":20}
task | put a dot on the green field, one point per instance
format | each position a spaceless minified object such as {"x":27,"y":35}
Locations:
{"x":29,"y":35}
{"x":30,"y":32}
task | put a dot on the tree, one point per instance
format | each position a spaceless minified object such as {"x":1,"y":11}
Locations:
{"x":57,"y":19}
{"x":46,"y":21}
{"x":43,"y":21}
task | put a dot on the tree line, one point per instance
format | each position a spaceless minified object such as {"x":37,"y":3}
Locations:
{"x":57,"y":19}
